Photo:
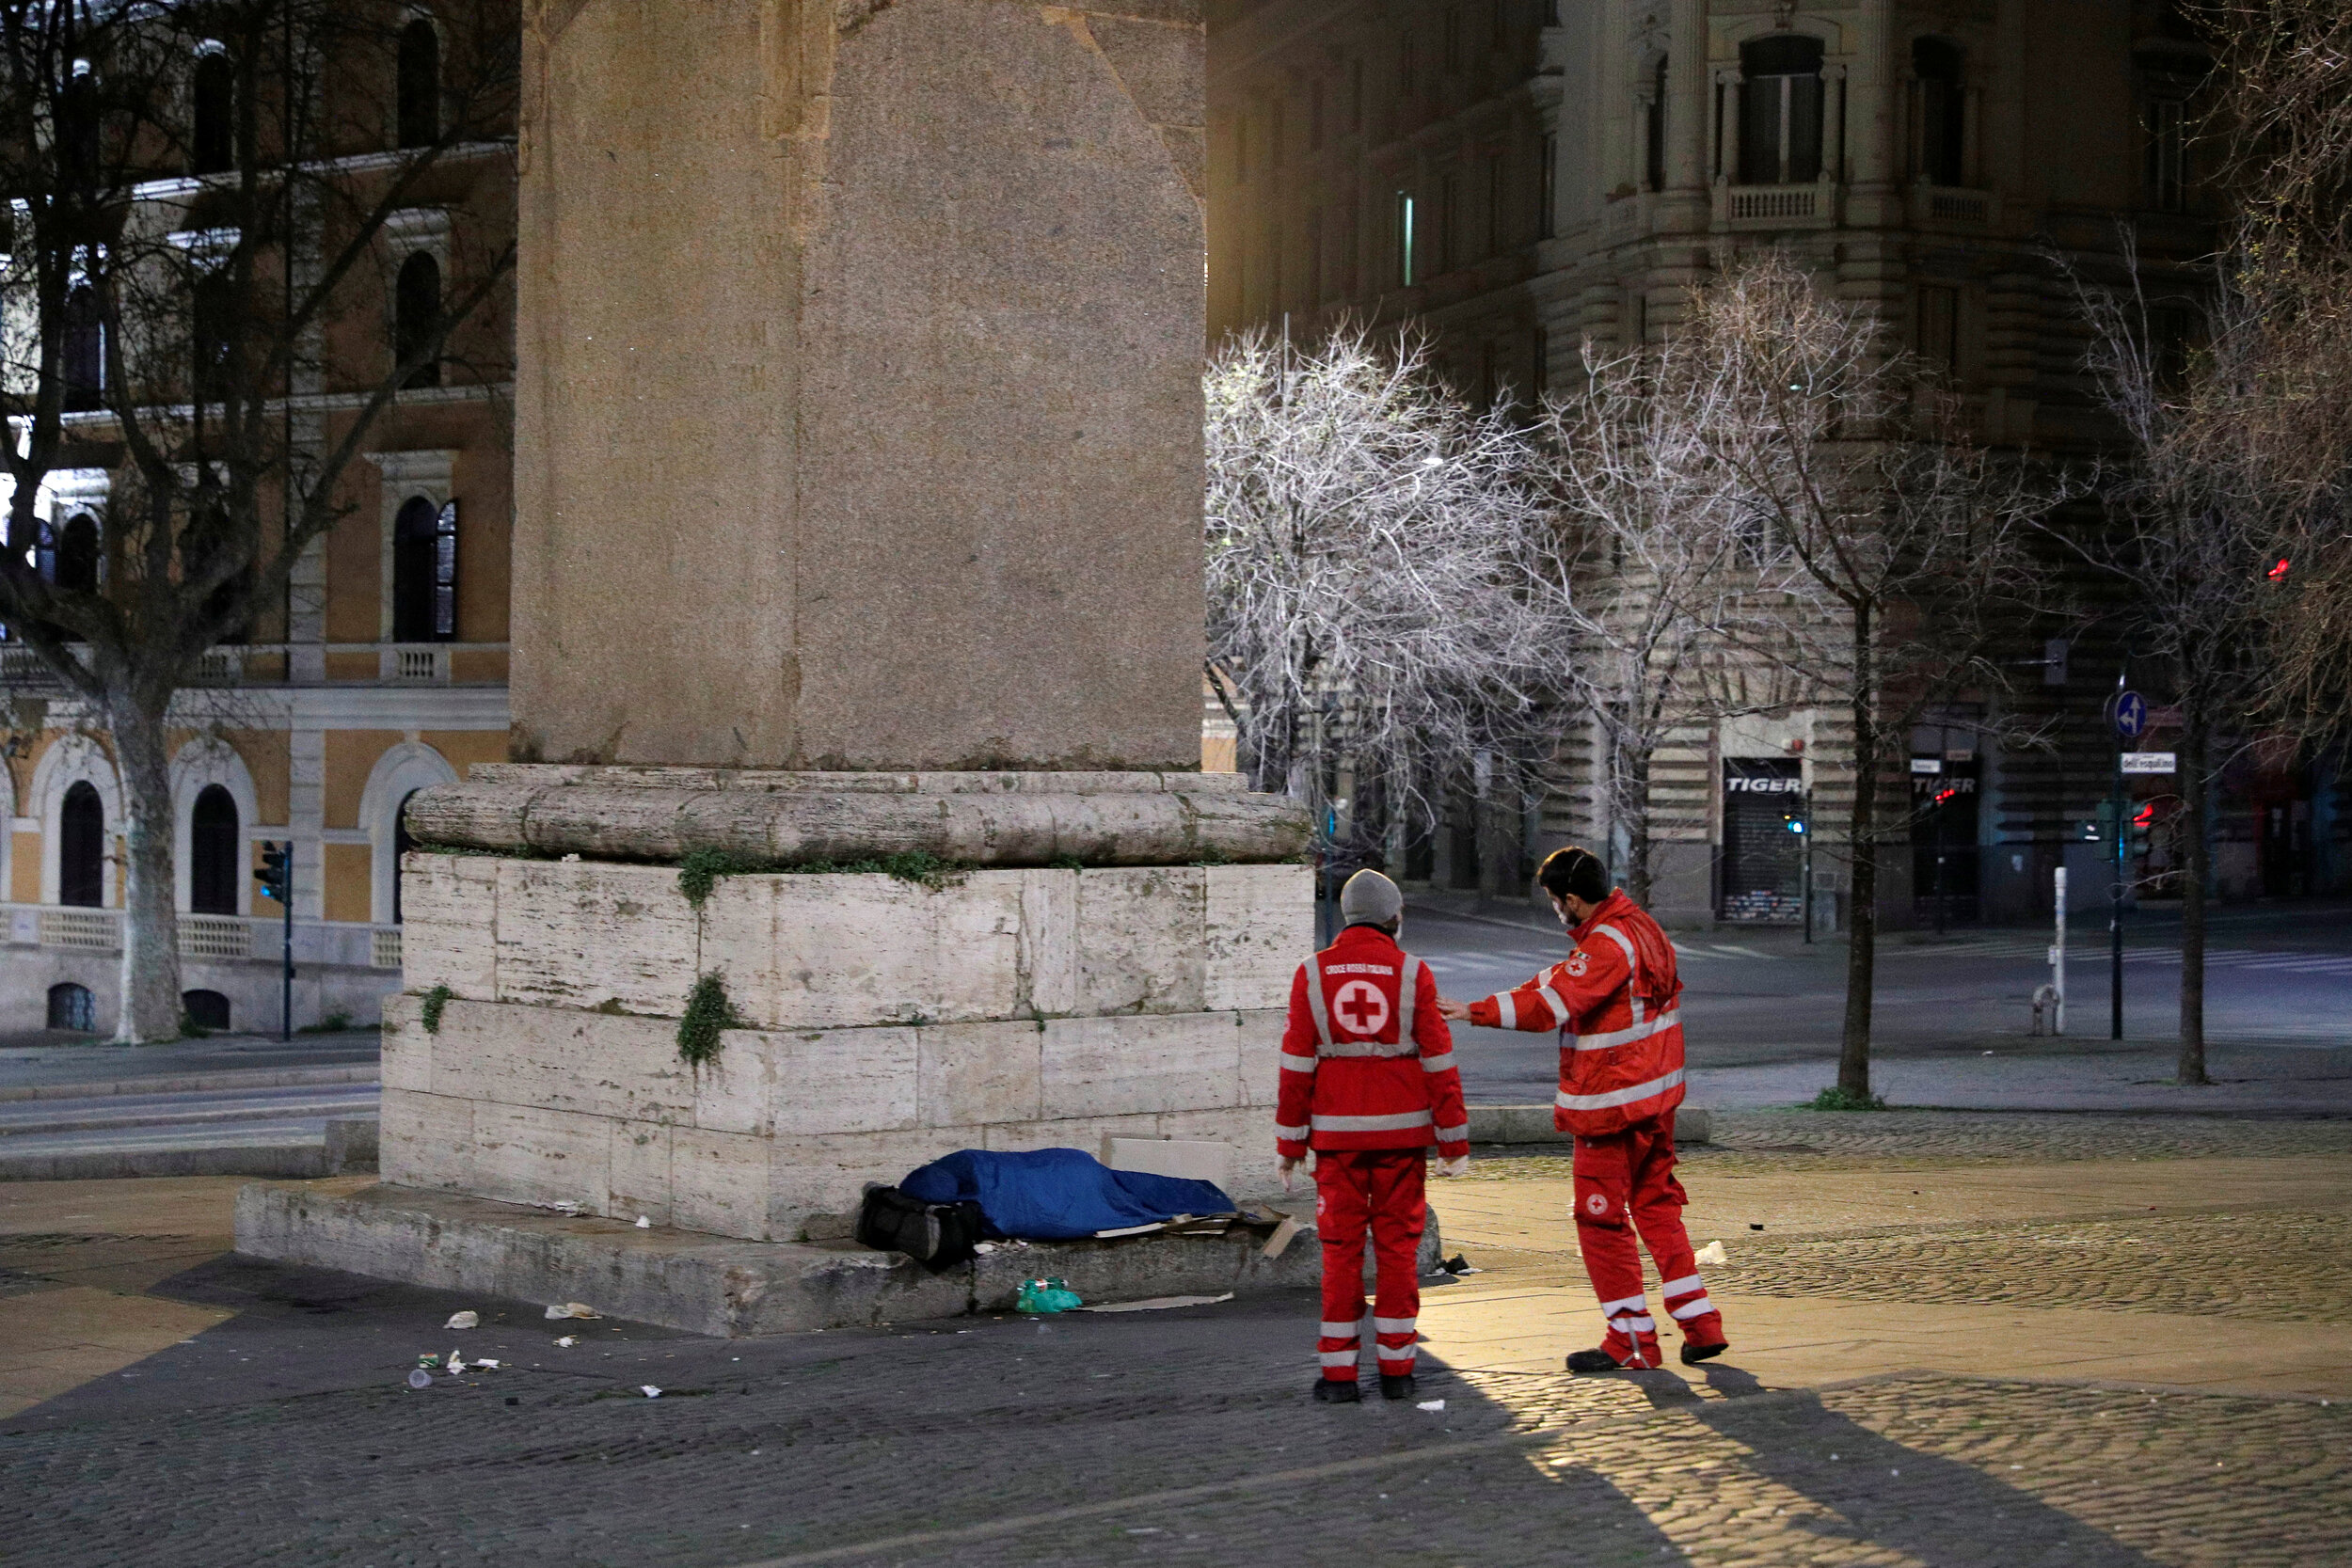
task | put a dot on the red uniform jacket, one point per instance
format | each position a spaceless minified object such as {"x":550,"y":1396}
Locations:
{"x":1617,"y":1004}
{"x":1367,"y":1062}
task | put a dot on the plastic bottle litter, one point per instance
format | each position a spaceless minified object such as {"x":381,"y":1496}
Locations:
{"x":419,"y":1379}
{"x":1045,"y":1296}
{"x":464,"y":1320}
{"x":1713,"y":1255}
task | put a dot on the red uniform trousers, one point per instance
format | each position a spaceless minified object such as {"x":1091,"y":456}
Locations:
{"x":1382,"y":1188}
{"x":1629,"y":1175}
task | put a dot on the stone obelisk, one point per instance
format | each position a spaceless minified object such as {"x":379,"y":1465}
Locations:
{"x":858,"y":451}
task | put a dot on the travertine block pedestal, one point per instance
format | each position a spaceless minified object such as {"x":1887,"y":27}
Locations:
{"x":884,"y":1021}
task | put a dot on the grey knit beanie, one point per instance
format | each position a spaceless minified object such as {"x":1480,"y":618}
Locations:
{"x":1370,"y":899}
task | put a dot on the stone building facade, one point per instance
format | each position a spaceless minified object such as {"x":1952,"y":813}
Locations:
{"x":1525,"y":177}
{"x":384,"y":670}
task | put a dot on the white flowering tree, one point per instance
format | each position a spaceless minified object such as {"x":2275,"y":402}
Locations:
{"x":1363,"y":617}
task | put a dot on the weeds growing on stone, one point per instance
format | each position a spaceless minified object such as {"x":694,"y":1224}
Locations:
{"x":434,"y":1000}
{"x":709,"y":1013}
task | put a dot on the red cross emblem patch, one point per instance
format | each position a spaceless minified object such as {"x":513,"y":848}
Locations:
{"x":1359,"y":1009}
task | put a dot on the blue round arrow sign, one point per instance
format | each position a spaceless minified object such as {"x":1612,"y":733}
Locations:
{"x":2131,"y":715}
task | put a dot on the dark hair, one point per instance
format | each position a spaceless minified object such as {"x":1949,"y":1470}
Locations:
{"x":1574,"y":871}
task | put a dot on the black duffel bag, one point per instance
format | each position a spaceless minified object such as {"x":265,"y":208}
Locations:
{"x":936,"y":1235}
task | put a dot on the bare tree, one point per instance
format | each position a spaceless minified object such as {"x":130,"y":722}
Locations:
{"x":1359,"y":520}
{"x":2274,"y":411}
{"x":1651,"y":575}
{"x":2190,"y":537}
{"x":201,"y":193}
{"x":1897,"y":538}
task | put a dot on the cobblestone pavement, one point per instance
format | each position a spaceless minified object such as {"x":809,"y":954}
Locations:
{"x":1895,"y":1140}
{"x":286,"y":1434}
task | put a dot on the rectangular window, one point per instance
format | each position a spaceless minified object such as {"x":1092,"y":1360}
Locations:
{"x":1939,"y":325}
{"x":1406,"y":275}
{"x":1494,"y":205}
{"x":2167,"y":155}
{"x":1315,"y":291}
{"x":1546,"y":216}
{"x":1445,"y":227}
{"x":445,"y":573}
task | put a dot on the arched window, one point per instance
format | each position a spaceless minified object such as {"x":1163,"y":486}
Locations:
{"x":206,"y":1010}
{"x":72,"y":1006}
{"x":424,"y":572}
{"x":1939,"y":119}
{"x":77,"y":555}
{"x":82,"y":846}
{"x":84,"y":349}
{"x":1654,"y":130}
{"x":1780,"y":110}
{"x":211,"y":132}
{"x":402,"y":841}
{"x":416,"y":316}
{"x":420,"y":90}
{"x":215,"y":853}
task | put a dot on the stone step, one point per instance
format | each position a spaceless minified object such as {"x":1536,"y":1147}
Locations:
{"x":720,"y":1286}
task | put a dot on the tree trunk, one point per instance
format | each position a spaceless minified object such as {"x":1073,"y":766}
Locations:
{"x":1853,"y":1051}
{"x":151,"y":920}
{"x":1635,"y":792}
{"x":2193,"y":789}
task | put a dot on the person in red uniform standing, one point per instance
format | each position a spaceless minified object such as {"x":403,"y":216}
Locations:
{"x":1616,"y":1002}
{"x":1368,"y":1083}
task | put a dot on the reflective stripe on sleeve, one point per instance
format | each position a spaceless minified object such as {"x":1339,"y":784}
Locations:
{"x":1670,"y":1019}
{"x":1409,"y":987}
{"x":1314,"y":1002}
{"x":1293,"y":1062}
{"x":1290,"y":1134}
{"x":1559,"y":1008}
{"x":1632,"y":970}
{"x":1453,"y":1135}
{"x":1440,"y":1063}
{"x":1614,"y":1097}
{"x":1396,"y":1123}
{"x":1369,"y":1048}
{"x":1508,"y":1010}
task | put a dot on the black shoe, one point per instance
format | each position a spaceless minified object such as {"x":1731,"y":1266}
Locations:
{"x":1394,"y":1388}
{"x":1593,"y":1361}
{"x":1692,"y":1355}
{"x":1329,"y":1392}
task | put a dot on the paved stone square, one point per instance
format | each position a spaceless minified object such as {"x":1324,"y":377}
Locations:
{"x":2141,"y":1354}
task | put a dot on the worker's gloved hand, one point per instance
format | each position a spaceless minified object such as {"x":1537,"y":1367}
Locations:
{"x":1289,"y":1165}
{"x":1458,"y":1166}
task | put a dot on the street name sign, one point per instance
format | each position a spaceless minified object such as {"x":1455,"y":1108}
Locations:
{"x":2149,"y":762}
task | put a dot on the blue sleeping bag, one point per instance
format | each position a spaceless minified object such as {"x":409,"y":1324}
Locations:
{"x":1059,"y":1194}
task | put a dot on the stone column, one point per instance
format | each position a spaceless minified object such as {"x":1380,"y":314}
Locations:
{"x":857,"y":630}
{"x":858,"y":416}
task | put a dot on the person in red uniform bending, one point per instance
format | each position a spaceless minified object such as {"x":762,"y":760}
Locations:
{"x":1616,"y":1002}
{"x":1368,"y":1083}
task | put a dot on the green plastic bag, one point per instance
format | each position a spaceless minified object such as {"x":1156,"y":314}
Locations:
{"x":1045,"y":1296}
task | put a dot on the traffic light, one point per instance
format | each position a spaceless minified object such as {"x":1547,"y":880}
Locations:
{"x":276,"y":872}
{"x":2143,"y":820}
